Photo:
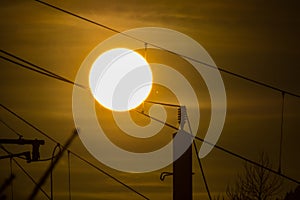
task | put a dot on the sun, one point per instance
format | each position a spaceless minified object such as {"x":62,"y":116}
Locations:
{"x":120,"y":79}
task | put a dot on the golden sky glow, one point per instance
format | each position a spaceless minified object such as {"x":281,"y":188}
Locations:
{"x":258,"y":39}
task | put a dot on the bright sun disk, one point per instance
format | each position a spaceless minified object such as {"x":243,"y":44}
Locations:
{"x":120,"y":79}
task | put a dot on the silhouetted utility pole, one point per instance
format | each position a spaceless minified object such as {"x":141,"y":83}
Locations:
{"x":182,"y":167}
{"x":182,"y":175}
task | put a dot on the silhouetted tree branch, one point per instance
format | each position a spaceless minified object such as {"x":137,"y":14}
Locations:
{"x":255,"y":183}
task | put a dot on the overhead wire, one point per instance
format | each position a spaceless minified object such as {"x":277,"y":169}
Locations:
{"x":167,"y":50}
{"x":157,"y":46}
{"x":171,"y":126}
{"x":28,"y":123}
{"x":107,"y":174}
{"x":51,"y":167}
{"x":31,"y":178}
{"x":10,"y":128}
{"x":25,"y":172}
{"x":21,"y":136}
{"x":206,"y":64}
{"x":225,"y":150}
{"x":75,"y":154}
{"x":51,"y":172}
{"x":198,"y":159}
{"x":35,"y":68}
{"x":284,"y":92}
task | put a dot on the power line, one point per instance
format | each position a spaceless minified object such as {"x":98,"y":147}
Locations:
{"x":171,"y":126}
{"x":107,"y":174}
{"x":36,"y":68}
{"x":75,"y":154}
{"x":225,"y":150}
{"x":10,"y":128}
{"x":88,"y":20}
{"x":248,"y":160}
{"x":202,"y":171}
{"x":25,"y":172}
{"x":51,"y":172}
{"x":198,"y":159}
{"x":28,"y":123}
{"x":31,"y":178}
{"x":169,"y":51}
{"x":201,"y":62}
{"x":27,"y":67}
{"x":32,"y":69}
{"x":30,"y":63}
{"x":51,"y":167}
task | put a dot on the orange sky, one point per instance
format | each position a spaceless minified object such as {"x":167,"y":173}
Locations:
{"x":258,"y":39}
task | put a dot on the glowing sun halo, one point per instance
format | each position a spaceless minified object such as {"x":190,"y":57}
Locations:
{"x":120,"y":79}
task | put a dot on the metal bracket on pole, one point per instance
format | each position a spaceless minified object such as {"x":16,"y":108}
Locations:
{"x":35,"y":145}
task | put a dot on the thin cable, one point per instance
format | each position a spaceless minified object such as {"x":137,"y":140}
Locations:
{"x":30,"y":63}
{"x":51,"y":172}
{"x":114,"y":30}
{"x":248,"y":160}
{"x":38,"y":69}
{"x":30,"y":68}
{"x":78,"y":156}
{"x":28,"y":123}
{"x":69,"y":175}
{"x":12,"y":182}
{"x":31,"y":178}
{"x":202,"y":171}
{"x":88,"y":20}
{"x":226,"y":150}
{"x":281,"y":131}
{"x":159,"y":47}
{"x":10,"y":128}
{"x":107,"y":174}
{"x":198,"y":159}
{"x":25,"y":172}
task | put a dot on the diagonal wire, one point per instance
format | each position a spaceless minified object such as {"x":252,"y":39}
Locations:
{"x":167,"y":50}
{"x":198,"y":159}
{"x":75,"y":154}
{"x":10,"y":128}
{"x":31,"y":178}
{"x":25,"y":172}
{"x":107,"y":174}
{"x":30,"y":63}
{"x":226,"y":150}
{"x":202,"y":170}
{"x":36,"y":68}
{"x":28,"y":123}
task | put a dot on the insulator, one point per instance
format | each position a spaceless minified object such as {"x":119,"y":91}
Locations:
{"x":179,"y":115}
